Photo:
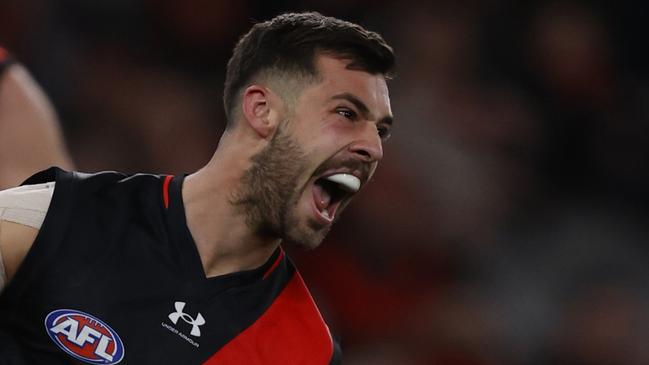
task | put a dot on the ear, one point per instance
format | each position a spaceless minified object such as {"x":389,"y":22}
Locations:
{"x":256,"y":107}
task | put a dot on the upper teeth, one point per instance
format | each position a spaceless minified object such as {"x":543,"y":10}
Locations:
{"x":348,"y":182}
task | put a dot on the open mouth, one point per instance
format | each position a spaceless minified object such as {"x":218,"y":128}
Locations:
{"x":330,"y":191}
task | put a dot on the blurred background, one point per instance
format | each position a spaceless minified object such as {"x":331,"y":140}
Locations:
{"x":508,"y":222}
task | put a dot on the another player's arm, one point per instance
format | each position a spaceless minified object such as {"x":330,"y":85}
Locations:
{"x":30,"y":136}
{"x":22,"y":211}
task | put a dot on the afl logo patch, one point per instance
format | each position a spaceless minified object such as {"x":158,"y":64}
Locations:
{"x":84,"y":337}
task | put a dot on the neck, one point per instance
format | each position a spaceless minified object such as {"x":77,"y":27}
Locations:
{"x":224,"y":240}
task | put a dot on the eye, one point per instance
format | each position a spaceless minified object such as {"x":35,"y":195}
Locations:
{"x":347,"y":113}
{"x":384,"y":132}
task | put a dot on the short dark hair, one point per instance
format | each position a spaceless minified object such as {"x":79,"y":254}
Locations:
{"x":290,"y":42}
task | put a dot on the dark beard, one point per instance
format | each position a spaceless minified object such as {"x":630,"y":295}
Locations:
{"x":269,"y":187}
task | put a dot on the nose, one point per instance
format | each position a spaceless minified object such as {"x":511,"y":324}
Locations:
{"x":369,"y":146}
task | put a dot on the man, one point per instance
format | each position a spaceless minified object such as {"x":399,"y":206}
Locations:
{"x":150,"y":269}
{"x":30,"y":137}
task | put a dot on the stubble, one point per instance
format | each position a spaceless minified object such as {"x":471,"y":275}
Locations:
{"x":270,"y":190}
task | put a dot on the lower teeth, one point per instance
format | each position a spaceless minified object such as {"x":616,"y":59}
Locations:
{"x":325,"y":213}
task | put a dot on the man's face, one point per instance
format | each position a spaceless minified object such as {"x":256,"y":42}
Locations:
{"x":320,"y":156}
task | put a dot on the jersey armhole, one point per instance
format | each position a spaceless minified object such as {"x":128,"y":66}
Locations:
{"x":51,"y":231}
{"x":26,"y":206}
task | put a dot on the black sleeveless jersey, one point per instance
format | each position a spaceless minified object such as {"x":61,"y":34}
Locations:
{"x":115,"y":277}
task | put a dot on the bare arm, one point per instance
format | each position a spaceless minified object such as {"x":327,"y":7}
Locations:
{"x":15,"y":241}
{"x":30,"y":136}
{"x":22,"y":211}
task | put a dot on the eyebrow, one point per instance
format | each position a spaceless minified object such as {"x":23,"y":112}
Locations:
{"x":360,"y":105}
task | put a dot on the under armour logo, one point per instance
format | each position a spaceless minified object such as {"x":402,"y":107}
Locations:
{"x":195,"y":322}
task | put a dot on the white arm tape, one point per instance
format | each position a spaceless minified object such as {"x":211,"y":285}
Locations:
{"x":26,"y":205}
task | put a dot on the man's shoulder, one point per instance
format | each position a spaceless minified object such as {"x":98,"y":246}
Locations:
{"x":77,"y":193}
{"x":94,"y":181}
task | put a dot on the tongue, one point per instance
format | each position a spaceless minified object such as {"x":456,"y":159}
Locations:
{"x":321,"y":196}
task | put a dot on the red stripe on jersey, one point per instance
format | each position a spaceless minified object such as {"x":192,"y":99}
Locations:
{"x":291,"y":331}
{"x":3,"y":54}
{"x":165,"y":190}
{"x":274,"y":265}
